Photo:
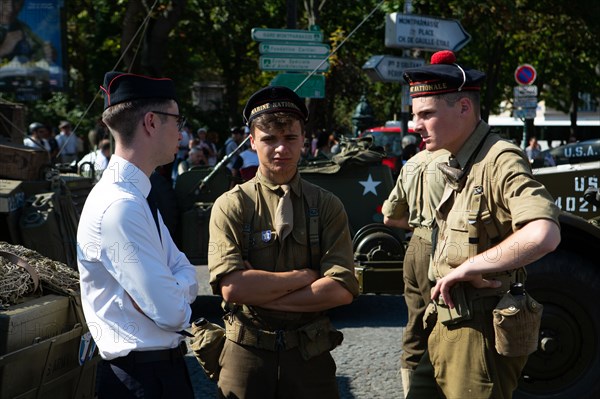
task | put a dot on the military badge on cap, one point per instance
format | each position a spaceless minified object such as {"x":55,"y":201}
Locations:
{"x":442,"y":76}
{"x":274,"y":99}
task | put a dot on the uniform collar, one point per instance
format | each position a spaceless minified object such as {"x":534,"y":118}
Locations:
{"x":472,"y":143}
{"x":294,"y":183}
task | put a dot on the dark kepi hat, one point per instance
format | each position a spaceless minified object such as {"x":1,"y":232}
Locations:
{"x":442,"y":76}
{"x":120,"y":87}
{"x":274,"y":99}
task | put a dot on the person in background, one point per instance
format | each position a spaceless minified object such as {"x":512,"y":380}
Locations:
{"x":195,"y":157}
{"x":278,"y":335}
{"x":494,"y":218}
{"x":37,"y":138}
{"x":209,"y":148}
{"x":237,"y":135}
{"x":95,"y":162}
{"x":68,"y":143}
{"x":533,"y":150}
{"x":411,"y":206}
{"x":136,"y":286}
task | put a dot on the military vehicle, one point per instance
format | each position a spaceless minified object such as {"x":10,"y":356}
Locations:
{"x":566,"y":281}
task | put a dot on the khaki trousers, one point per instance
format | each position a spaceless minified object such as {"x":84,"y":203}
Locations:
{"x":249,"y":372}
{"x":417,"y":291}
{"x":465,"y":361}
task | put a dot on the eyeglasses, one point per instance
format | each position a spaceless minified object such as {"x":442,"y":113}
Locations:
{"x":180,"y":118}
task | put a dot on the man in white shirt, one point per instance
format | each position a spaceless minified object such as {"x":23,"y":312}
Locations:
{"x":37,"y":137}
{"x":98,"y":159}
{"x":68,"y":143}
{"x":136,"y":286}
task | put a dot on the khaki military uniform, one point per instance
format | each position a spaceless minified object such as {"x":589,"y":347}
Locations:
{"x":418,"y":190}
{"x":498,"y":197}
{"x":273,"y":364}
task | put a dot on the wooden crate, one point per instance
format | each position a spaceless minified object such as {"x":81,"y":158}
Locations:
{"x":22,"y":163}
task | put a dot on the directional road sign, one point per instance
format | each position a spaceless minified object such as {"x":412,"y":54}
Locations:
{"x":525,"y":113}
{"x":387,"y":68}
{"x":525,"y":91}
{"x":292,"y":35}
{"x":525,"y":74}
{"x":284,"y":63}
{"x":299,"y":48}
{"x":526,"y":102}
{"x":314,"y":87}
{"x":416,"y":31}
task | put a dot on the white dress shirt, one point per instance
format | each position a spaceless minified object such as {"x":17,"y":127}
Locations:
{"x":123,"y":260}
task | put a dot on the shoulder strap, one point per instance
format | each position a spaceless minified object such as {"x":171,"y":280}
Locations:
{"x":249,"y":193}
{"x":311,"y":194}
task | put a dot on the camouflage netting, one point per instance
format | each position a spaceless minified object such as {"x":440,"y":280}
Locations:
{"x":16,"y":282}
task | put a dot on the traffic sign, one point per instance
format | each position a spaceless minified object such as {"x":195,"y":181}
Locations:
{"x":525,"y":74}
{"x":290,"y":64}
{"x":314,"y":87}
{"x":299,"y":48}
{"x":526,"y":102}
{"x":525,"y":113}
{"x":292,"y":35}
{"x":387,"y":68}
{"x":525,"y":91}
{"x":416,"y":31}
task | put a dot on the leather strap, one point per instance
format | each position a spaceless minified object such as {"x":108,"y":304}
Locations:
{"x":17,"y":260}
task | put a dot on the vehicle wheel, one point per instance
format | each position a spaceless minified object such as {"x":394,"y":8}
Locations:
{"x":377,"y":241}
{"x":567,"y":362}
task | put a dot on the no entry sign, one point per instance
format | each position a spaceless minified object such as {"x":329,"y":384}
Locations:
{"x":525,"y":74}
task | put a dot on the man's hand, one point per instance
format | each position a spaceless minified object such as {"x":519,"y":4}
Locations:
{"x":443,"y":285}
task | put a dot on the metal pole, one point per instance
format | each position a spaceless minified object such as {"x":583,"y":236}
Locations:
{"x":404,"y":110}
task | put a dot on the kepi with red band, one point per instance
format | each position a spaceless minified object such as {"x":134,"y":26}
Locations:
{"x":120,"y":87}
{"x":274,"y":99}
{"x":442,"y":76}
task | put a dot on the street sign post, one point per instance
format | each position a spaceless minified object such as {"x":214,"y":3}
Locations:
{"x":525,"y":113}
{"x":525,"y":74}
{"x":291,"y":35}
{"x":387,"y":68}
{"x":285,"y":63}
{"x":294,"y":48}
{"x":314,"y":87}
{"x":427,"y":33}
{"x":525,"y":91}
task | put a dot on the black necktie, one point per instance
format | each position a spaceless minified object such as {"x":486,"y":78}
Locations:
{"x":154,"y":210}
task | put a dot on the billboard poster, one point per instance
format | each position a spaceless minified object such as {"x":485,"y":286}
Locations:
{"x":31,"y":54}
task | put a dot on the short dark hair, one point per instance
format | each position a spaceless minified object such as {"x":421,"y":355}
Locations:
{"x":124,"y":117}
{"x":276,"y":121}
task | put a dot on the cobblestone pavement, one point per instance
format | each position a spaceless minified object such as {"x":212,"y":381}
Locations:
{"x":367,"y":361}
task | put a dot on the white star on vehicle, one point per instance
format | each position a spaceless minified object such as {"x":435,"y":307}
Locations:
{"x":370,"y":185}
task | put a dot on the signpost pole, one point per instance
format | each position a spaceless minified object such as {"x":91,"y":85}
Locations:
{"x":405,"y":102}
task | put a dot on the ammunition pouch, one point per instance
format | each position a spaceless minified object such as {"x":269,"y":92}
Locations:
{"x":207,"y":345}
{"x":517,"y":320}
{"x":311,"y":339}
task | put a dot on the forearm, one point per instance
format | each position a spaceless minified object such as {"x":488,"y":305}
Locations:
{"x":401,"y":223}
{"x":325,"y":293}
{"x":255,"y":287}
{"x":526,"y":245}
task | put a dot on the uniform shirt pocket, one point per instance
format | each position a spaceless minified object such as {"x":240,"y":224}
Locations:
{"x":264,"y":249}
{"x":457,"y":245}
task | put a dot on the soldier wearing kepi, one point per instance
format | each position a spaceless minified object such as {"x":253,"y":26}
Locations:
{"x":493,"y":219}
{"x":411,"y":206}
{"x":281,"y":254}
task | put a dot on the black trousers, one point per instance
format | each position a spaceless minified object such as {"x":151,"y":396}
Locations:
{"x":149,"y":375}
